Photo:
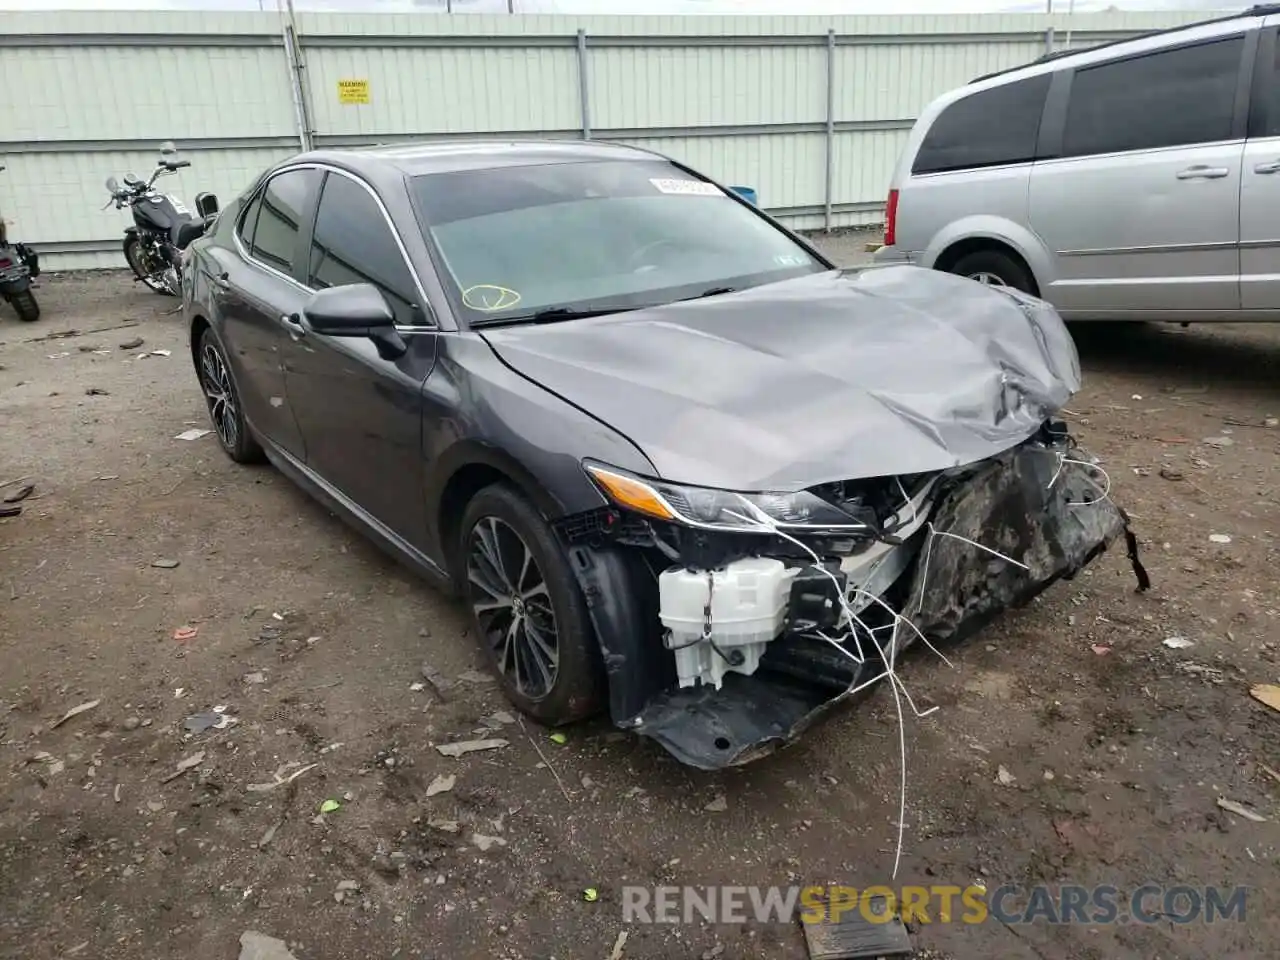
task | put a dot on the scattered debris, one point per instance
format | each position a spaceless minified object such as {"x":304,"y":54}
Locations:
{"x":469,"y":746}
{"x":485,"y":844}
{"x":616,"y":952}
{"x":1003,"y":776}
{"x":21,"y":493}
{"x":269,"y":834}
{"x":1267,"y":693}
{"x":164,"y":564}
{"x":95,"y":392}
{"x":558,"y":738}
{"x":6,"y":511}
{"x":474,"y":676}
{"x":258,"y":946}
{"x":501,"y":718}
{"x":60,"y":355}
{"x":441,"y":784}
{"x":1218,"y":442}
{"x":330,"y":806}
{"x":343,"y":888}
{"x":195,"y":433}
{"x":133,"y":344}
{"x":447,"y":826}
{"x":183,"y":634}
{"x":214,"y":719}
{"x":714,"y":952}
{"x":719,"y":804}
{"x":256,"y":677}
{"x":282,"y":776}
{"x":190,"y":763}
{"x":1100,"y":649}
{"x":852,"y":935}
{"x":1241,"y":810}
{"x":590,"y":895}
{"x":417,"y":687}
{"x":1273,"y":774}
{"x":74,"y":712}
{"x":1169,"y":473}
{"x":1219,"y":538}
{"x":1178,"y":643}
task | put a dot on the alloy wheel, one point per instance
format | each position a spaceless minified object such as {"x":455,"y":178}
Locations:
{"x":988,"y":279}
{"x":512,"y":605}
{"x":220,"y":395}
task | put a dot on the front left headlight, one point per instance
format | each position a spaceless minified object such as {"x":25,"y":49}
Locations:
{"x":721,"y":509}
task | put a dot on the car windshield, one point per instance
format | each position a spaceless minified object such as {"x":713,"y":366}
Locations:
{"x":557,"y":240}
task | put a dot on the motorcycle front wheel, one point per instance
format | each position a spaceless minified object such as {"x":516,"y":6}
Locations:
{"x":154,"y":279}
{"x":25,"y":303}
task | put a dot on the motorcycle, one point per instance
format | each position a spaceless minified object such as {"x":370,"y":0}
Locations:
{"x":163,"y":227}
{"x":19,"y":265}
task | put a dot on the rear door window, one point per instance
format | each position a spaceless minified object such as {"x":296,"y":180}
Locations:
{"x":1271,"y":94}
{"x":284,"y":201}
{"x":1169,"y":99}
{"x":986,"y":129}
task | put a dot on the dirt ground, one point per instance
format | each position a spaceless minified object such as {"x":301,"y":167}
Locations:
{"x":1116,"y":747}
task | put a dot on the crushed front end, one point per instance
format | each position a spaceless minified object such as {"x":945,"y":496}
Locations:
{"x":748,"y":617}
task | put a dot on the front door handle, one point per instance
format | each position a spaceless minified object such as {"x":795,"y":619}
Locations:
{"x":1272,"y":167}
{"x":1202,"y":172}
{"x":293,"y":323}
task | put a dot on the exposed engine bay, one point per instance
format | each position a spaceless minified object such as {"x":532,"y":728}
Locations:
{"x":750,"y":626}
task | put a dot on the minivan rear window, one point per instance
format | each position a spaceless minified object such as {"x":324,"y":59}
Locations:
{"x":1169,"y":99}
{"x":985,"y":129}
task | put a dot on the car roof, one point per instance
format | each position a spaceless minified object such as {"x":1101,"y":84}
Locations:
{"x":442,"y":156}
{"x":1139,"y":41}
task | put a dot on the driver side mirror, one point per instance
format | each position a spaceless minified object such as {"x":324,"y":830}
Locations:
{"x":357,"y":310}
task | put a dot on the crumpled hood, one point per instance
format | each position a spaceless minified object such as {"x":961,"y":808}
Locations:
{"x":831,"y":376}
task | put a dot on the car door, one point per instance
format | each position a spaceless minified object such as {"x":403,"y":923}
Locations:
{"x":257,"y":290}
{"x":1260,"y":183}
{"x":1138,"y":202}
{"x":361,"y":412}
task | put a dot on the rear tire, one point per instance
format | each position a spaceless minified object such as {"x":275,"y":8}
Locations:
{"x":25,"y":303}
{"x":527,"y":610}
{"x":222,"y":398}
{"x":994,"y":268}
{"x":133,"y":254}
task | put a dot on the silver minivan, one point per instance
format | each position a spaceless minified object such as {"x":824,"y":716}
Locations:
{"x":1136,"y":180}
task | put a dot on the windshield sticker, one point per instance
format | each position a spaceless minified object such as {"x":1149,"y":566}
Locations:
{"x":488,"y":297}
{"x":689,"y":188}
{"x":791,"y":259}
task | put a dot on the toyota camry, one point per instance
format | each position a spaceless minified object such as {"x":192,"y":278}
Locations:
{"x":678,"y":465}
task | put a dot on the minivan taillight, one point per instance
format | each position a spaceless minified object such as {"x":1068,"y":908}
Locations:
{"x":891,"y":219}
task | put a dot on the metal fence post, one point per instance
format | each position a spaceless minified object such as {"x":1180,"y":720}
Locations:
{"x":831,"y":125}
{"x":300,"y":112}
{"x":584,"y":85}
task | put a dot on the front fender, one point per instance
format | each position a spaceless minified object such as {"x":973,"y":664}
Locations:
{"x":986,"y":227}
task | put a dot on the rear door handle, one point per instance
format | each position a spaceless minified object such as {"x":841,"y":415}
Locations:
{"x":1202,"y":172}
{"x":1272,"y":167}
{"x":223,"y":280}
{"x":293,"y":323}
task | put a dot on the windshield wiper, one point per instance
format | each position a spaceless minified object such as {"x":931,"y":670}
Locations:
{"x":550,"y":315}
{"x":713,"y":292}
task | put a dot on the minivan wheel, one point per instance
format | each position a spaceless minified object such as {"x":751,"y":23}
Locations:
{"x":223,"y":400}
{"x":996,"y":269}
{"x":527,"y":609}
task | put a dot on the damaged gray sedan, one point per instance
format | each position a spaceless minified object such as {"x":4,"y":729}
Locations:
{"x":679,"y":465}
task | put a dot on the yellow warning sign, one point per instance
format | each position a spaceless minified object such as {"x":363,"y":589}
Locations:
{"x":353,"y":91}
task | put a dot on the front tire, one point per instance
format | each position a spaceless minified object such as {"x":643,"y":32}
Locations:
{"x":996,"y":269}
{"x":137,"y":263}
{"x":24,"y":302}
{"x":527,"y":609}
{"x":223,"y":401}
